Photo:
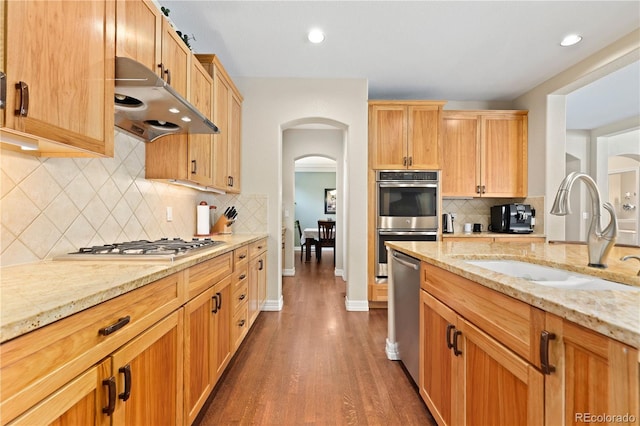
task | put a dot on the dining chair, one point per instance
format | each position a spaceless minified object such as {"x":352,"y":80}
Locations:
{"x":302,"y":246}
{"x":326,"y":237}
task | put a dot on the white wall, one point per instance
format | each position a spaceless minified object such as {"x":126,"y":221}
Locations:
{"x":299,"y":143}
{"x":547,"y":129}
{"x":273,"y":105}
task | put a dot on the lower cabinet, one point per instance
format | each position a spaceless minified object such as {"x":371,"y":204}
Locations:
{"x":148,"y":357}
{"x":207,"y":344}
{"x":470,"y":378}
{"x":257,"y":278}
{"x":489,"y":359}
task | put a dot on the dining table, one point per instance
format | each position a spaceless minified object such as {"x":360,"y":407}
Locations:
{"x":309,"y":237}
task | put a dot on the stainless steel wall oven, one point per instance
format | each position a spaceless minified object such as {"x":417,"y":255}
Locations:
{"x":406,"y":209}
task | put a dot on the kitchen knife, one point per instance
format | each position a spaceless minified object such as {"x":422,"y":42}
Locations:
{"x":232,"y":211}
{"x":227,"y":211}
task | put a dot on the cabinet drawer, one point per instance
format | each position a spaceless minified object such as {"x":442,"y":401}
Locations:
{"x":257,"y":248}
{"x":38,"y":363}
{"x":241,"y":256}
{"x":206,"y":274}
{"x":240,"y":277}
{"x":512,"y":322}
{"x":239,"y":325}
{"x":240,"y":296}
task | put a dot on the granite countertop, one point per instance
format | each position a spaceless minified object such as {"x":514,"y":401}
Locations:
{"x":613,"y":313}
{"x":36,"y":294}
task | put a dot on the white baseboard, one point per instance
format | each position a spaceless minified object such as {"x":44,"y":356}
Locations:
{"x":356,"y":305}
{"x":289,"y":272}
{"x":273,"y":305}
{"x":392,"y":351}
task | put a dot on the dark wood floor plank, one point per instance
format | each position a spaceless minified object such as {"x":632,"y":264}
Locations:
{"x":314,"y":363}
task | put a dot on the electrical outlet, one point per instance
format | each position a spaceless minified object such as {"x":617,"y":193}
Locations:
{"x":169,"y":214}
{"x":585,"y":215}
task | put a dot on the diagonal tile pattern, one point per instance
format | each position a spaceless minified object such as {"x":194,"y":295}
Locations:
{"x":52,"y":206}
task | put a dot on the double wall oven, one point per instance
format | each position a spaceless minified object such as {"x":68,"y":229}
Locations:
{"x":406,"y":210}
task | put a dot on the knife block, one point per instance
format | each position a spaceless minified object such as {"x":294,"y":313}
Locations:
{"x":222,"y":226}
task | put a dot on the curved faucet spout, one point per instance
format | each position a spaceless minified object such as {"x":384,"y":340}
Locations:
{"x":599,"y":242}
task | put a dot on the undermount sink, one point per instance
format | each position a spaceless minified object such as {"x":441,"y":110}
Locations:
{"x":547,"y":276}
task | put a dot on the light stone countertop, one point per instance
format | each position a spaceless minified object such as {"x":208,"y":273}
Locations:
{"x":487,"y":234}
{"x":36,"y":294}
{"x":613,"y":313}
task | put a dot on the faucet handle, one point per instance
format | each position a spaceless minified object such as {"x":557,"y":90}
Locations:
{"x":631,"y":256}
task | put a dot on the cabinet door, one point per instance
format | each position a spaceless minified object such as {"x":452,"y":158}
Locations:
{"x":460,"y":164}
{"x":80,"y":402}
{"x":198,"y":353}
{"x":63,"y":53}
{"x":154,"y":364}
{"x":201,"y":146}
{"x":257,"y":285}
{"x":235,"y":130}
{"x":438,"y":385}
{"x":423,"y":144}
{"x":593,"y":375}
{"x":138,"y":27}
{"x":262,"y":280}
{"x":176,"y":60}
{"x":504,"y":156}
{"x":388,"y":136}
{"x":222,"y":327}
{"x":499,"y":387}
{"x":220,"y":140}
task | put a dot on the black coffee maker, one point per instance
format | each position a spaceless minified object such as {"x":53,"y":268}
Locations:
{"x":511,"y":218}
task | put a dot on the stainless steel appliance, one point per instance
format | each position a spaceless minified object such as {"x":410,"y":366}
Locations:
{"x":447,"y":223}
{"x":511,"y":218}
{"x":163,"y":249}
{"x":406,"y":311}
{"x":406,"y":210}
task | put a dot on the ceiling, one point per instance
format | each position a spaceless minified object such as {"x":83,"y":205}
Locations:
{"x":452,"y":50}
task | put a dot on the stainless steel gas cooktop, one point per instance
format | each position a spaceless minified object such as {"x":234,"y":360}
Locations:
{"x":162,"y":249}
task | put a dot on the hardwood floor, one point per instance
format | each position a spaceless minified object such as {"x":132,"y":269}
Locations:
{"x":315,"y":363}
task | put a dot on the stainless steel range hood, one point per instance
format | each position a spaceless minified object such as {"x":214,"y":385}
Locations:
{"x":147,"y":107}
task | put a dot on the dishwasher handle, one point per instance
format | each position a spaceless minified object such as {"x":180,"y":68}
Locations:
{"x":406,"y":263}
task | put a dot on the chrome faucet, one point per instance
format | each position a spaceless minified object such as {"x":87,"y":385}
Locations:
{"x":631,"y":256}
{"x":599,"y":241}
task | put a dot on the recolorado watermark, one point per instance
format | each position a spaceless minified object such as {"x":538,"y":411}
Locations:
{"x":604,"y":418}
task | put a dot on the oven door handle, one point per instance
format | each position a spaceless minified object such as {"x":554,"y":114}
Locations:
{"x":416,"y":233}
{"x":407,"y":185}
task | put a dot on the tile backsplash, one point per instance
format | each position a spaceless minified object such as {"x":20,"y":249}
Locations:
{"x":52,"y":206}
{"x":478,"y":210}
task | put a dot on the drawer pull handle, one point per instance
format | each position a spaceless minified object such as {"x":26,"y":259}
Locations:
{"x":241,"y":323}
{"x":242,"y":256}
{"x":242,"y":296}
{"x":449,"y":328}
{"x":261,"y":267}
{"x":23,"y":109}
{"x":115,"y":327}
{"x":456,"y":351}
{"x":110,"y":383}
{"x":126,"y":370}
{"x":242,"y":277}
{"x":545,"y":336}
{"x":219,"y":297}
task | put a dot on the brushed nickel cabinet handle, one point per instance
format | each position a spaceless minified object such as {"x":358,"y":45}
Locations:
{"x":23,"y":109}
{"x":110,"y":383}
{"x":115,"y":327}
{"x":126,"y":370}
{"x":3,"y":90}
{"x":545,"y":336}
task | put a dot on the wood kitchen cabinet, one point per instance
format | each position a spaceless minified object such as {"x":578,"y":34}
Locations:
{"x":404,"y":134}
{"x":590,"y":374}
{"x":227,"y":115}
{"x":468,"y":376}
{"x":484,"y":153}
{"x":58,"y":57}
{"x":240,"y":297}
{"x":257,"y":278}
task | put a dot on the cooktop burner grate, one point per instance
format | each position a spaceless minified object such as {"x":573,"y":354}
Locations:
{"x":144,"y":249}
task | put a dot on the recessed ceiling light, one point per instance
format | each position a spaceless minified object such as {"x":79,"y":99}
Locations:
{"x":570,"y":40}
{"x":316,"y":36}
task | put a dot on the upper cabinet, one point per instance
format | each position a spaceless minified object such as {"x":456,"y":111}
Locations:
{"x":143,"y":34}
{"x":58,"y":57}
{"x":227,"y":115}
{"x":404,"y":134}
{"x":484,"y":153}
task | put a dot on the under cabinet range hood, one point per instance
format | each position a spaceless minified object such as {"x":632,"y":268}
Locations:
{"x":147,"y":107}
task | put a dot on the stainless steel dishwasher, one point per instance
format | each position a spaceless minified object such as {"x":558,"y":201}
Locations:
{"x":406,"y":294}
